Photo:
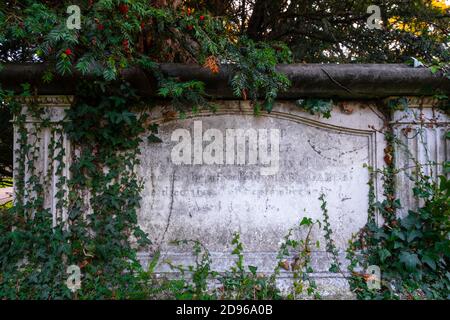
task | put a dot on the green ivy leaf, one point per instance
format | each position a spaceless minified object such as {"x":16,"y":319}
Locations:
{"x":306,"y":221}
{"x":384,"y":254}
{"x":334,"y":268}
{"x":410,"y":260}
{"x":317,"y":106}
{"x":429,"y":261}
{"x":413,"y":235}
{"x":434,"y":69}
{"x":154,"y":139}
{"x":398,"y":245}
{"x":253,"y":269}
{"x":399,"y":234}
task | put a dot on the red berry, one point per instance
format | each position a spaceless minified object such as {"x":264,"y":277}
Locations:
{"x":100,"y":27}
{"x":123,"y":8}
{"x":126,"y":46}
{"x":202,"y":18}
{"x":68,"y":51}
{"x":190,"y":27}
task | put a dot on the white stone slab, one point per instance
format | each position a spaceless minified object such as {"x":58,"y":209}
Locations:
{"x":210,"y":202}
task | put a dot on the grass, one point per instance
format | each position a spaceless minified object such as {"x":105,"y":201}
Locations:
{"x":6,"y":182}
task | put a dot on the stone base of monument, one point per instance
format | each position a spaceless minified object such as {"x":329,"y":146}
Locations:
{"x":330,"y":285}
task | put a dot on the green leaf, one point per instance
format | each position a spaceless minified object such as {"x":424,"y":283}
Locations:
{"x":317,"y":106}
{"x":409,"y":221}
{"x":154,"y":128}
{"x":399,"y":234}
{"x":410,"y":260}
{"x":47,"y":77}
{"x":413,"y":235}
{"x":384,"y":254}
{"x":253,"y":269}
{"x":257,"y":109}
{"x":334,"y":268}
{"x":434,"y":69}
{"x":429,"y":261}
{"x":164,"y":91}
{"x":154,"y":139}
{"x":268,"y":105}
{"x":306,"y":221}
{"x":398,"y":245}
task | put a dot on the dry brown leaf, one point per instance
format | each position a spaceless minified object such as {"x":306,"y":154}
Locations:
{"x":285,"y":265}
{"x":212,"y":64}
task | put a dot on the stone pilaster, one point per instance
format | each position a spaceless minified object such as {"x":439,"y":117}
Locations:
{"x":46,"y":156}
{"x":421,"y":143}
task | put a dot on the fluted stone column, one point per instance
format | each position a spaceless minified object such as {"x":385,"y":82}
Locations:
{"x":421,"y":143}
{"x":42,"y":153}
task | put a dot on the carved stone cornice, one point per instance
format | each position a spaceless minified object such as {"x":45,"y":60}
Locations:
{"x":347,"y":81}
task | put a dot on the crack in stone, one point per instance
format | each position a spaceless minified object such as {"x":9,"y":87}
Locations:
{"x":152,"y":181}
{"x":319,"y":152}
{"x":169,"y":218}
{"x":351,"y":151}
